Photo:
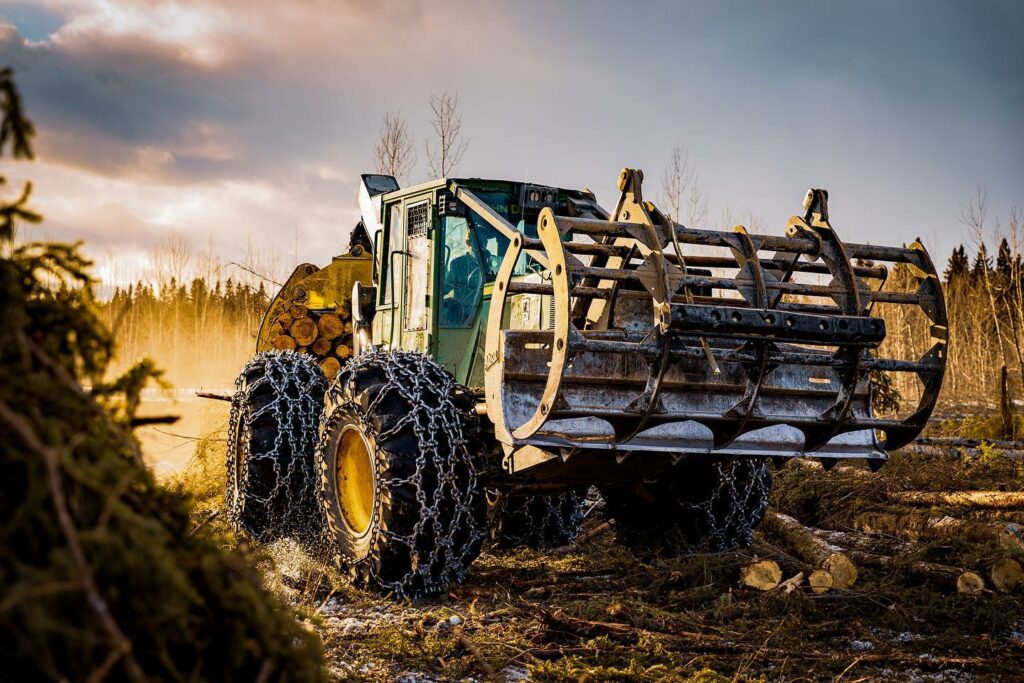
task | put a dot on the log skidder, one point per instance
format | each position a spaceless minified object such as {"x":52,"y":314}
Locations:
{"x":562,"y":345}
{"x":272,"y":431}
{"x":398,"y":474}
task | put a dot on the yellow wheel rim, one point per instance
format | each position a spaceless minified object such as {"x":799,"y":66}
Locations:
{"x":355,"y":480}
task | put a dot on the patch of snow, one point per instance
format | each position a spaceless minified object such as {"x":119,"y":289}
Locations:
{"x":515,"y":674}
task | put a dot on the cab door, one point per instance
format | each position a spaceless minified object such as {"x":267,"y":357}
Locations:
{"x":403,"y":319}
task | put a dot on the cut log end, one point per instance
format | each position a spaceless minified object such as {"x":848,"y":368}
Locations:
{"x":842,"y":569}
{"x":304,"y":331}
{"x":1007,"y":574}
{"x":764,"y":575}
{"x":282,"y":342}
{"x":820,"y":581}
{"x":322,"y":347}
{"x":330,"y":326}
{"x":970,"y":583}
{"x":330,"y":367}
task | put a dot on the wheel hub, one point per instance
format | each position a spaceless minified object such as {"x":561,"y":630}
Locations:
{"x":356,"y":490}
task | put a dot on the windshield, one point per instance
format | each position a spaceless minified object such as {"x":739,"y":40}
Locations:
{"x":491,"y":244}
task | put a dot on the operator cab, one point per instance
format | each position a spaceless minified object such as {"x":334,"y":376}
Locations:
{"x":437,"y":249}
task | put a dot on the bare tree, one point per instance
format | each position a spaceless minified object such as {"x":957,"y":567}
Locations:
{"x":447,"y":124}
{"x":696,"y":204}
{"x":675,"y":181}
{"x":974,"y":216}
{"x":395,"y":151}
{"x":170,"y":261}
{"x":681,"y":191}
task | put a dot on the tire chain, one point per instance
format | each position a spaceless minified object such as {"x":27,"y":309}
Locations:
{"x":742,"y":491}
{"x":540,"y":521}
{"x":413,"y":376}
{"x":296,"y":415}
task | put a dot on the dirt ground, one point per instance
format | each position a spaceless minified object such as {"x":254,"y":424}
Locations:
{"x":601,"y":613}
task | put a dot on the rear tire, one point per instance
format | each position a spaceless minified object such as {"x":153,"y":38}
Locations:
{"x":538,"y":521}
{"x":701,"y":504}
{"x":272,"y":433}
{"x":398,"y":475}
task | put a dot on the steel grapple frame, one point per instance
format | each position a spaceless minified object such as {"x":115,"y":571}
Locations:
{"x":652,"y":348}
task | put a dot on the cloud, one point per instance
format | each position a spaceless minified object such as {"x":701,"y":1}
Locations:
{"x":242,"y":118}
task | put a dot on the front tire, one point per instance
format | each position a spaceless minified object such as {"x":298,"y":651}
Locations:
{"x":701,"y":504}
{"x":272,"y":433}
{"x":398,"y":474}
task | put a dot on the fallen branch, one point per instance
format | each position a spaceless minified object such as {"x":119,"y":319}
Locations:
{"x":808,"y":547}
{"x":793,"y":583}
{"x":951,"y":442}
{"x":984,"y":499}
{"x":489,"y":670}
{"x":212,"y":395}
{"x":959,"y":451}
{"x":583,"y":539}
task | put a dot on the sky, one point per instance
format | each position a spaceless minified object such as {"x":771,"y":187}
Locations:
{"x":242,"y":126}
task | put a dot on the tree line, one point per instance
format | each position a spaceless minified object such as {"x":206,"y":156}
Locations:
{"x":200,"y":332}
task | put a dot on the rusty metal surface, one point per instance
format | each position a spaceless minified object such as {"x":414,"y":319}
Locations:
{"x":771,"y":355}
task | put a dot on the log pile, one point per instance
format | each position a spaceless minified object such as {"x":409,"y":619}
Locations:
{"x":832,"y":559}
{"x":830,"y":566}
{"x":956,"y":541}
{"x":325,"y":333}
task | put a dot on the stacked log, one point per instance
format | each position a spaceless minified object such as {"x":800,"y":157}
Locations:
{"x":326,"y":334}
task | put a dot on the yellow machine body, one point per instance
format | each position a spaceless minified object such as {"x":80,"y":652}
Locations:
{"x":318,"y":289}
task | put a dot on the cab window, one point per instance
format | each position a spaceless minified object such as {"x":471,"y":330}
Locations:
{"x":492,"y":246}
{"x":462,"y":275}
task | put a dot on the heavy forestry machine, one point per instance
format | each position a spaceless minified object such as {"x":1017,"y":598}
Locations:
{"x":488,"y":350}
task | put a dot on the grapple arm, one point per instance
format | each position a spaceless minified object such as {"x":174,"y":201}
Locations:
{"x":769,"y":354}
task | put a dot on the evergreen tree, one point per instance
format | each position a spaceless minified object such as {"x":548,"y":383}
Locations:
{"x":982,"y":263}
{"x":1004,"y":261}
{"x":958,"y":265}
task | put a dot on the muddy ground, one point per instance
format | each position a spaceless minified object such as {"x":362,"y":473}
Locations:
{"x":600,"y":613}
